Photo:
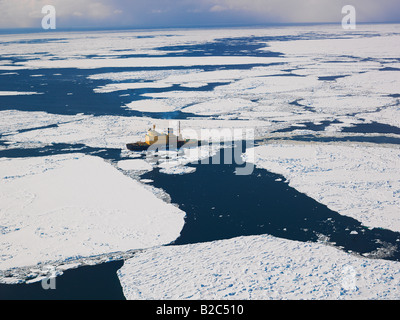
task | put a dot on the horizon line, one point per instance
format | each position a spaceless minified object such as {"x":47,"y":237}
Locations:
{"x":22,"y":30}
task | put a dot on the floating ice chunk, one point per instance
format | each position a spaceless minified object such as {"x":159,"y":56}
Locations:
{"x":376,"y":82}
{"x":266,"y":85}
{"x":129,"y":86}
{"x":8,"y":73}
{"x":148,"y":62}
{"x":150,"y":75}
{"x":219,"y":106}
{"x":146,"y":180}
{"x":151,"y":105}
{"x":383,"y":46}
{"x":178,"y":170}
{"x":175,"y":167}
{"x":17,"y":93}
{"x":61,"y":207}
{"x":12,"y":68}
{"x":193,"y":84}
{"x":256,"y":267}
{"x":135,"y":164}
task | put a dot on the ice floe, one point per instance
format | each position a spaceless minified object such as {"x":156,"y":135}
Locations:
{"x":175,"y":167}
{"x":218,"y":106}
{"x":14,"y":120}
{"x":17,"y":93}
{"x":60,"y":208}
{"x":256,"y":267}
{"x":378,"y":47}
{"x":150,"y":75}
{"x":129,"y":86}
{"x":134,"y":164}
{"x":148,"y":62}
{"x":151,"y":105}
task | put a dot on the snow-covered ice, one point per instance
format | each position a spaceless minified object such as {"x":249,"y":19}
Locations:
{"x":101,"y":131}
{"x":149,"y":75}
{"x":129,"y":86}
{"x":381,"y":46}
{"x":62,"y":207}
{"x":151,"y":105}
{"x":14,"y":120}
{"x":175,"y":167}
{"x":134,"y":164}
{"x":256,"y":267}
{"x":17,"y":93}
{"x":148,"y":62}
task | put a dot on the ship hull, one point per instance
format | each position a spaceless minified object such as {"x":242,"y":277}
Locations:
{"x":141,"y":146}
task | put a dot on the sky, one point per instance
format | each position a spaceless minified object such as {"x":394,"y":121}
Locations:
{"x":190,"y":13}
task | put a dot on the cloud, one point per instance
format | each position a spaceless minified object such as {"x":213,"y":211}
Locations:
{"x":303,"y":11}
{"x":174,"y":13}
{"x":217,"y":8}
